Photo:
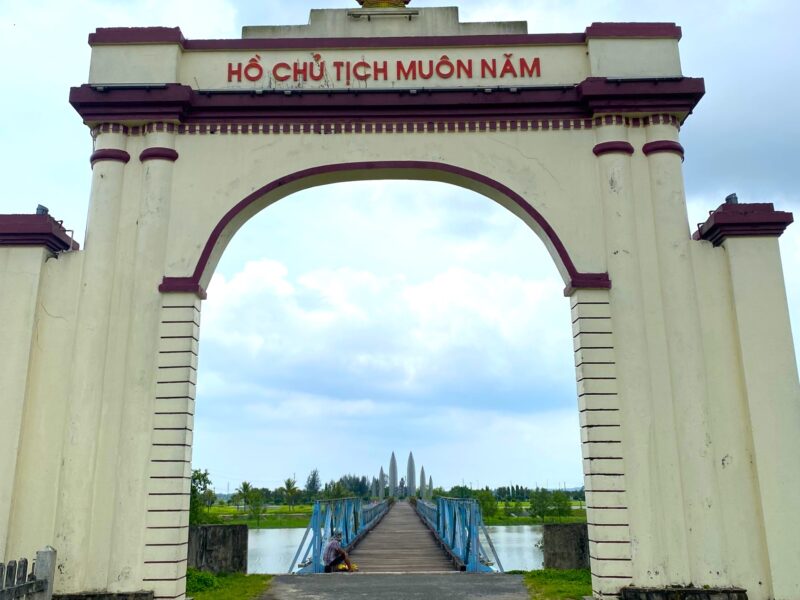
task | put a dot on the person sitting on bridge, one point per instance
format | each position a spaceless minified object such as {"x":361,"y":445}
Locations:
{"x":335,"y":555}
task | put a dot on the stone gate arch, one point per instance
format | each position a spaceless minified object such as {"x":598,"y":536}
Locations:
{"x":685,"y":369}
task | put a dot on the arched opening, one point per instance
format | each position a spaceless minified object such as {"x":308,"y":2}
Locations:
{"x":468,"y":347}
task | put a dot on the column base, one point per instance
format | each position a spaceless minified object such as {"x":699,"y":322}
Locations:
{"x":676,"y":593}
{"x":105,"y":596}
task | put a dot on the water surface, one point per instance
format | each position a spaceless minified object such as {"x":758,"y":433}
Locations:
{"x":271,"y":550}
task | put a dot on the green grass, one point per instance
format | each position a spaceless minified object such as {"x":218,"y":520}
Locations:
{"x":234,"y":586}
{"x":577,"y":516}
{"x":274,"y":517}
{"x":550,"y":584}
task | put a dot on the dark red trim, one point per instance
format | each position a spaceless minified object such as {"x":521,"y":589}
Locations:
{"x":158,"y":152}
{"x":737,"y":220}
{"x":610,"y":147}
{"x":173,"y":35}
{"x":177,"y":103}
{"x":182,"y":285}
{"x":35,"y":230}
{"x":109,"y":154}
{"x":663,"y":146}
{"x":633,"y":30}
{"x":577,"y":280}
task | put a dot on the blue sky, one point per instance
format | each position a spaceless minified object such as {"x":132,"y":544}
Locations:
{"x":400,"y":315}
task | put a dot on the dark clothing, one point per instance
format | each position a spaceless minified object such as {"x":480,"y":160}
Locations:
{"x":334,"y":564}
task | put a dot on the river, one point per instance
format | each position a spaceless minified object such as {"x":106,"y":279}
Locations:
{"x":271,"y":550}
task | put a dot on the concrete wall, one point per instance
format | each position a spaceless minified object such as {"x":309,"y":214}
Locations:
{"x":218,"y":548}
{"x":566,"y":546}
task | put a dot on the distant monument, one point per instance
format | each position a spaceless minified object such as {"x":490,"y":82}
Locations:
{"x":430,"y":487}
{"x":422,"y":490}
{"x":411,"y":475}
{"x":393,"y":477}
{"x":381,"y":484}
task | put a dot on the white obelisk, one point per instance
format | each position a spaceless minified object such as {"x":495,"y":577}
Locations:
{"x":422,"y":483}
{"x":411,"y":476}
{"x":393,"y":477}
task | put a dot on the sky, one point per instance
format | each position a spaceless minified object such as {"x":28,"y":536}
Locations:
{"x":350,"y":321}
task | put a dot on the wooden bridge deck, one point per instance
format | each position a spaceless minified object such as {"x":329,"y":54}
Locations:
{"x":401,"y":543}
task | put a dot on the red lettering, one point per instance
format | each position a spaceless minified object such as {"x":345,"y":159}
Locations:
{"x":338,"y":66}
{"x":508,"y":67}
{"x":406,"y":72}
{"x":489,"y":68}
{"x":532,"y":70}
{"x":300,"y":70}
{"x":283,"y":67}
{"x":464,"y":69}
{"x":237,"y":72}
{"x":380,"y":69}
{"x":320,"y":74}
{"x":422,"y":72}
{"x":361,"y":70}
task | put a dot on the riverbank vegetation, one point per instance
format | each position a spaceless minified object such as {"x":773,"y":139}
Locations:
{"x":290,"y":506}
{"x":233,"y":586}
{"x":550,"y":584}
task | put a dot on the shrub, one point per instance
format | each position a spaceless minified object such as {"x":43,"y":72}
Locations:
{"x":200,"y":581}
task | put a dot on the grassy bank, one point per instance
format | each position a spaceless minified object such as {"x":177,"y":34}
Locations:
{"x":577,"y":516}
{"x":234,"y":586}
{"x":550,"y":584}
{"x":274,"y":517}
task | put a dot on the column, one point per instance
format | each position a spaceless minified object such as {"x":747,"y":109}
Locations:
{"x":749,"y":234}
{"x":85,"y":398}
{"x":132,"y":550}
{"x":649,"y":448}
{"x":20,"y":273}
{"x":685,"y":360}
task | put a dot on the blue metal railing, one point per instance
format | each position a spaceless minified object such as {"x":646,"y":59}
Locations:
{"x":457,"y":524}
{"x":347,"y":515}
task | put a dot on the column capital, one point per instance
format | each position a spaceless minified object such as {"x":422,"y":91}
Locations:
{"x":35,"y":230}
{"x":743,"y":220}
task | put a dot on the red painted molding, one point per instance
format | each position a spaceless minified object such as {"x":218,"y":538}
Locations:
{"x":177,"y":103}
{"x":633,"y":30}
{"x":182,"y":285}
{"x":663,"y":146}
{"x":158,"y":152}
{"x":109,"y":154}
{"x":743,"y":220}
{"x":610,"y":147}
{"x":35,"y":230}
{"x":577,"y":279}
{"x":173,"y":35}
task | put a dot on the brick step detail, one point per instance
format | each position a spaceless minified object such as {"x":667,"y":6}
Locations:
{"x":694,"y":593}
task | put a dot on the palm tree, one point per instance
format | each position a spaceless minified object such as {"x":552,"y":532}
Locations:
{"x":243,"y":493}
{"x":289,"y":490}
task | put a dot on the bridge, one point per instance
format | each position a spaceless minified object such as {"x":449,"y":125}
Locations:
{"x":400,"y":537}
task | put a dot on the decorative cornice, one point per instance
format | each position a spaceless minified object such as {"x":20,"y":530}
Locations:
{"x":35,"y":230}
{"x":111,"y":154}
{"x":611,"y":147}
{"x":743,"y":220}
{"x":172,"y":35}
{"x":663,"y":146}
{"x":158,"y":153}
{"x":180,"y":104}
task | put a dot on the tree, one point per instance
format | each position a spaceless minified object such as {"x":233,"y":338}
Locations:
{"x":540,"y":503}
{"x":487,"y":501}
{"x":561,"y":504}
{"x":289,"y":491}
{"x":334,"y":490}
{"x":200,"y":485}
{"x":242,"y":492}
{"x":254,"y":499}
{"x":313,"y":484}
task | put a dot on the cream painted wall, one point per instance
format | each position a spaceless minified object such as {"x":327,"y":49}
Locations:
{"x":685,"y":368}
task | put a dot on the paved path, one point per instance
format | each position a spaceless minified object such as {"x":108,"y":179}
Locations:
{"x":392,"y":586}
{"x":401,"y":543}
